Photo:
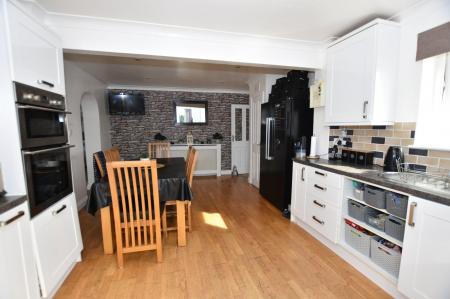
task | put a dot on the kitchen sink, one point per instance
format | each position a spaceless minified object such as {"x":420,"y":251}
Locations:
{"x":433,"y":182}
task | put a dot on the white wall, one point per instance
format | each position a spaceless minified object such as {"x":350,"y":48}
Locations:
{"x":78,"y":83}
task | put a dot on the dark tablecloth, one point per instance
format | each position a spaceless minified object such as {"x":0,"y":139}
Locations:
{"x":172,"y":183}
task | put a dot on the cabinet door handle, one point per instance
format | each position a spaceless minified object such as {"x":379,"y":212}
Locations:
{"x":56,"y":212}
{"x":365,"y":109}
{"x":320,"y":173}
{"x":303,"y":174}
{"x":319,"y":204}
{"x":11,"y":220}
{"x":318,"y":220}
{"x":43,"y":82}
{"x":412,"y":207}
{"x":320,"y":187}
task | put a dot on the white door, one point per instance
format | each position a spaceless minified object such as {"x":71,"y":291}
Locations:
{"x":240,"y":131}
{"x":298,"y":196}
{"x":425,"y":265}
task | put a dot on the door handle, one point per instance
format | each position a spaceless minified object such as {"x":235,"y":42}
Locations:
{"x":56,"y":212}
{"x":318,"y":220}
{"x":319,"y":204}
{"x":303,"y":174}
{"x":11,"y":220}
{"x":43,"y":82}
{"x":365,"y":109}
{"x":412,"y":207}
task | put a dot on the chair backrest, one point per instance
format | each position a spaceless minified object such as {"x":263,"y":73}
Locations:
{"x":112,"y":154}
{"x":159,"y":150}
{"x":99,"y":165}
{"x":191,"y":165}
{"x":136,"y":206}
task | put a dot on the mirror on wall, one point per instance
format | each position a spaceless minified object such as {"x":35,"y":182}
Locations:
{"x":190,"y":112}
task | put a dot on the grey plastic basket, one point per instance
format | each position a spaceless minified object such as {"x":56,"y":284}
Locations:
{"x":385,"y":257}
{"x":358,"y":190}
{"x":371,"y":218}
{"x":356,"y":210}
{"x":375,"y":197}
{"x":395,"y":227}
{"x":396,"y":204}
{"x":358,"y":240}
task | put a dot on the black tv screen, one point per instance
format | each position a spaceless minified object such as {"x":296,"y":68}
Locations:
{"x":126,"y":103}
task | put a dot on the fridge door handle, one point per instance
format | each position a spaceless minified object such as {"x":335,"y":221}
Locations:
{"x":267,"y":139}
{"x":269,"y":124}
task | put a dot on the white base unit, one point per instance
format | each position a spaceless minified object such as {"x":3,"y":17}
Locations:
{"x":57,"y":243}
{"x":209,"y":161}
{"x":18,"y":277}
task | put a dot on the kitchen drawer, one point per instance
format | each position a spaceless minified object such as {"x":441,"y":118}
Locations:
{"x":326,"y":178}
{"x":329,"y":194}
{"x":323,"y":219}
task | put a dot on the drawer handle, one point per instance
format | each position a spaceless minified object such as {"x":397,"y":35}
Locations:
{"x":371,"y":192}
{"x":384,"y":250}
{"x":318,"y":220}
{"x":320,"y":187}
{"x":43,"y":82}
{"x":54,"y":213}
{"x":319,"y":204}
{"x":412,"y":206}
{"x":303,"y":174}
{"x":11,"y":220}
{"x":320,"y":173}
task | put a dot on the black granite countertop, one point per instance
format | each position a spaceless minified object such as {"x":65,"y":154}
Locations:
{"x":10,"y":201}
{"x":370,"y":174}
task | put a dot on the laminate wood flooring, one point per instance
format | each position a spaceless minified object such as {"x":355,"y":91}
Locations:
{"x":240,"y":247}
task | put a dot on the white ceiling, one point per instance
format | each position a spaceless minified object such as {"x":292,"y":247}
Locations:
{"x":312,"y":20}
{"x":167,"y":74}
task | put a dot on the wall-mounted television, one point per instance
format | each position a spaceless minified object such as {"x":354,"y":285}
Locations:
{"x":126,"y":103}
{"x":190,"y":112}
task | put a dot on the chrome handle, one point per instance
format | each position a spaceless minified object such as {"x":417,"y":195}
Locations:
{"x":303,"y":174}
{"x":47,"y":150}
{"x":269,"y":123}
{"x":412,"y":207}
{"x":56,"y":212}
{"x":11,"y":220}
{"x":320,"y":173}
{"x":43,"y":82}
{"x":267,"y":138}
{"x":319,"y":204}
{"x":320,"y":187}
{"x":318,"y":220}
{"x":365,"y":109}
{"x":42,"y":108}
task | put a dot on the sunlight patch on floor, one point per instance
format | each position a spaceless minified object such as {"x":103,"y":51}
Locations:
{"x":214,"y":219}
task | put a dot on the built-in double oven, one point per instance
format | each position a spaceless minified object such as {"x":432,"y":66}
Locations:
{"x":46,"y":153}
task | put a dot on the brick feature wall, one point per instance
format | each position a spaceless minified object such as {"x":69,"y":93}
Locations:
{"x":132,"y":133}
{"x":379,"y":138}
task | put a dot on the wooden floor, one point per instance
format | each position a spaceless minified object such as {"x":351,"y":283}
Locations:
{"x":240,"y":247}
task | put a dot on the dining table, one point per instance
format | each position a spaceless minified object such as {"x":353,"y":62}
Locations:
{"x":172,"y":184}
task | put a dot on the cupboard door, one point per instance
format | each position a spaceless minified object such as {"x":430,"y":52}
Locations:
{"x":36,"y":57}
{"x":18,"y":277}
{"x":298,"y":197}
{"x":350,"y":75}
{"x":58,"y":241}
{"x":425,"y":266}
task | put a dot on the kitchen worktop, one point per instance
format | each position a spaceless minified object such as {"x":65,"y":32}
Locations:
{"x":371,"y":174}
{"x":11,"y":201}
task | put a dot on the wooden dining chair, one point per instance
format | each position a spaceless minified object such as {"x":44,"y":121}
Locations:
{"x":112,"y":154}
{"x":98,"y":164}
{"x":159,"y":150}
{"x":136,"y":207}
{"x":191,"y":162}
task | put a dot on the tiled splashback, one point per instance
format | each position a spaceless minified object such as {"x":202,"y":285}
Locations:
{"x":379,"y":138}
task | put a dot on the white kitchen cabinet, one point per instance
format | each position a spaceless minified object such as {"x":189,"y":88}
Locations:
{"x":58,"y":244}
{"x":425,"y":266}
{"x":18,"y":277}
{"x":35,"y":52}
{"x":361,"y":72}
{"x":298,"y":194}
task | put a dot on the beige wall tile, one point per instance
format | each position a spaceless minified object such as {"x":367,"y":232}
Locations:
{"x":358,"y":132}
{"x":402,"y":134}
{"x":428,"y":161}
{"x":369,"y":146}
{"x":407,"y":141}
{"x":409,"y":126}
{"x":373,"y":133}
{"x":382,"y":147}
{"x":410,"y":159}
{"x":378,"y":161}
{"x":392,"y":141}
{"x":365,"y":139}
{"x":444,"y":163}
{"x":439,"y":154}
{"x":398,"y":126}
{"x":385,"y":133}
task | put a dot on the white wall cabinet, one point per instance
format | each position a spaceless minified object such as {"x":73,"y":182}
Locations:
{"x":425,"y":266}
{"x":298,"y":194}
{"x":361,"y":72}
{"x":35,"y":52}
{"x":18,"y":277}
{"x":58,"y":244}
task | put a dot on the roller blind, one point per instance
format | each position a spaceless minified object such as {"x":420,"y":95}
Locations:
{"x":433,"y":42}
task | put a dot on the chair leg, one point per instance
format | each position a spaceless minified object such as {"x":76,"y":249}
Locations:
{"x":119,"y":248}
{"x":159,"y":251}
{"x":189,"y":216}
{"x":164,"y":222}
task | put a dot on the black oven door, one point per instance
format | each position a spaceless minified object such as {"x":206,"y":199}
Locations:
{"x":40,"y":126}
{"x":49,"y":176}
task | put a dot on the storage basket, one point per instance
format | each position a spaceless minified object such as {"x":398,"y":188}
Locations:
{"x":385,"y":257}
{"x":358,"y":190}
{"x":357,"y":240}
{"x":395,"y":227}
{"x":374,"y":218}
{"x":396,"y":204}
{"x":356,"y":210}
{"x":375,"y":197}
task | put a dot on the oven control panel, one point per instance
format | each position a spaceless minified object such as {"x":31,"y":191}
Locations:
{"x":37,"y":97}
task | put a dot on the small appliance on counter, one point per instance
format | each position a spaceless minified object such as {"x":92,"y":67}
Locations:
{"x":359,"y":157}
{"x":394,"y":157}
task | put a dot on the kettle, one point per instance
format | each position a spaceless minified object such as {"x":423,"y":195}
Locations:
{"x":394,"y":157}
